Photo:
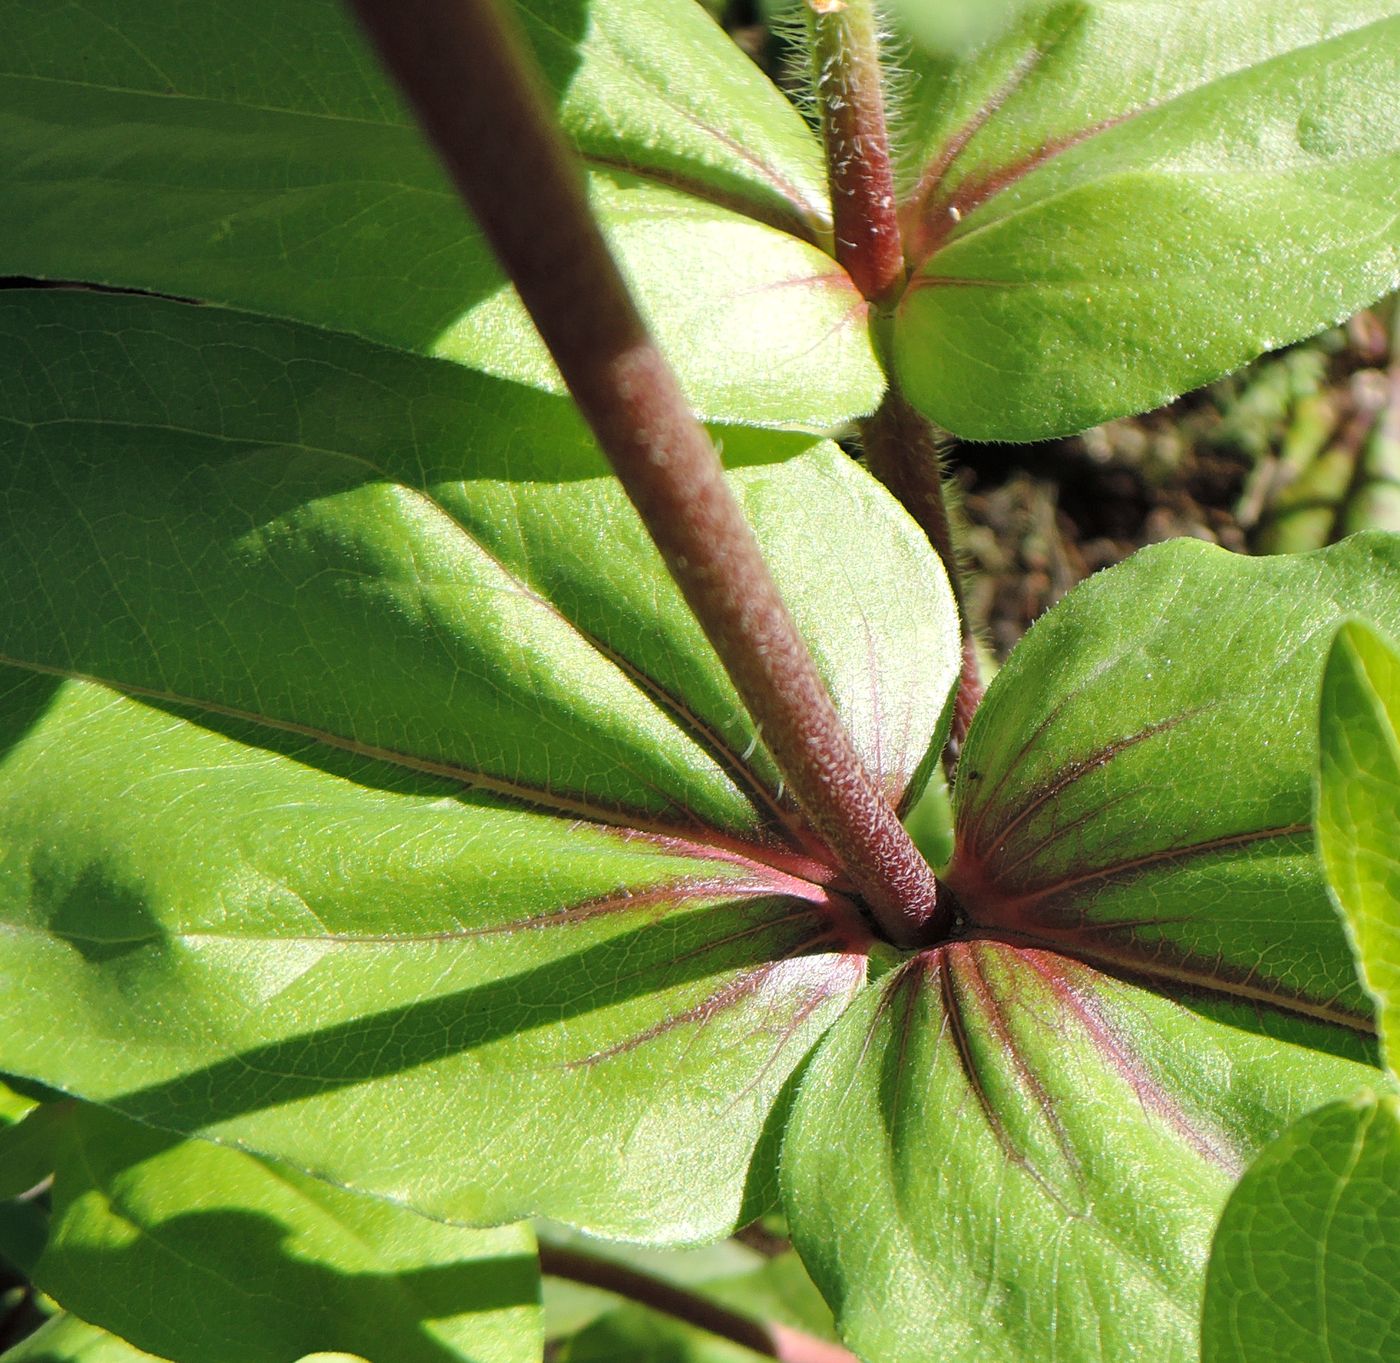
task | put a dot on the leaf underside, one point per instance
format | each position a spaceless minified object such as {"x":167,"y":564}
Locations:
{"x":369,"y":795}
{"x":195,"y":1252}
{"x":1093,"y":201}
{"x":371,"y":802}
{"x":1040,"y":1121}
{"x":251,"y":154}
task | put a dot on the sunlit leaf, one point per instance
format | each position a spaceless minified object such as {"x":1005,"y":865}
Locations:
{"x":196,"y":1252}
{"x":1117,"y":201}
{"x":1358,"y":810}
{"x":1306,"y":1263}
{"x":252,"y":154}
{"x":1017,"y":1147}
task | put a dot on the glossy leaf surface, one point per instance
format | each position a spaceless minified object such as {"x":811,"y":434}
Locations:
{"x":252,"y":154}
{"x":1093,"y":201}
{"x":192,"y":1251}
{"x":1358,"y":809}
{"x":372,"y":798}
{"x":1018,"y":1145}
{"x":1306,"y":1262}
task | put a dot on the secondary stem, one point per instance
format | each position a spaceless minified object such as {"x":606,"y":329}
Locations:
{"x":850,"y":94}
{"x":901,"y":450}
{"x":899,"y":443}
{"x":476,"y":90}
{"x":765,"y":1338}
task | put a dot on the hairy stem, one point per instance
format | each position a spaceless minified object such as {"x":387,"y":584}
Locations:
{"x":846,"y":74}
{"x":901,"y":450}
{"x":467,"y":71}
{"x":765,"y":1338}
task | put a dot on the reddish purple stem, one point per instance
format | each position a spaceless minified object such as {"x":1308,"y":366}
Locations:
{"x":901,"y":450}
{"x":477,"y":92}
{"x":849,"y":87}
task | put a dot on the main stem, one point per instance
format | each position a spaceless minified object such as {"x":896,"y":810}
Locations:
{"x":849,"y":88}
{"x":477,"y":92}
{"x":764,"y":1338}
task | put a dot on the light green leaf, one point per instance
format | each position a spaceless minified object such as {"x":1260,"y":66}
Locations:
{"x":1003,"y":1153}
{"x":252,"y":154}
{"x":196,"y":1252}
{"x":1137,"y":786}
{"x":1121,"y":199}
{"x":13,"y":1106}
{"x":66,"y":1339}
{"x":1306,"y":1263}
{"x":371,"y":798}
{"x":1018,"y":1145}
{"x":1358,"y":810}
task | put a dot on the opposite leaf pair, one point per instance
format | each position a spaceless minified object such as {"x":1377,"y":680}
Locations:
{"x":369,"y":799}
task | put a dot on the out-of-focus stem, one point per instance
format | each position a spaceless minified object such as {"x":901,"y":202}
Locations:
{"x":901,"y":450}
{"x":764,"y":1338}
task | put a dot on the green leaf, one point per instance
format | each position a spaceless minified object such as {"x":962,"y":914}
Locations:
{"x":193,"y":1251}
{"x":13,"y":1106}
{"x":371,"y":798}
{"x":1003,"y":1153}
{"x":1018,"y":1145}
{"x":1118,"y":201}
{"x":252,"y":154}
{"x":1358,"y":810}
{"x":66,"y":1339}
{"x":1306,"y":1263}
{"x":1137,"y":786}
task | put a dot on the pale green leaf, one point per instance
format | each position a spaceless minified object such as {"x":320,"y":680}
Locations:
{"x":1120,"y":199}
{"x":1306,"y":1263}
{"x":1358,"y":810}
{"x":371,"y":798}
{"x":252,"y":154}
